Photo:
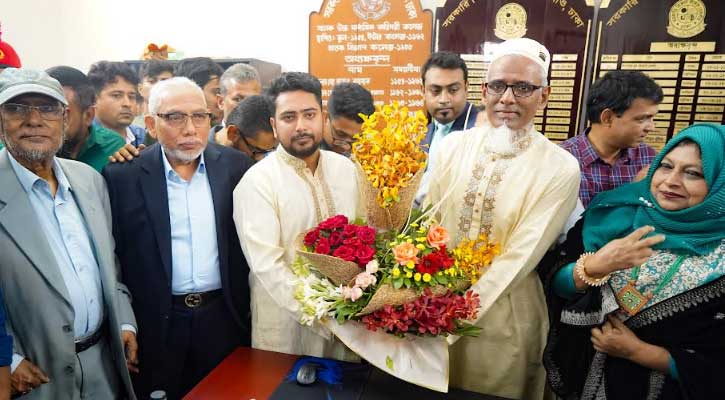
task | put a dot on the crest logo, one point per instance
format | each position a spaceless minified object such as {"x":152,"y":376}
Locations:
{"x":687,"y":18}
{"x":371,"y":9}
{"x":510,"y":22}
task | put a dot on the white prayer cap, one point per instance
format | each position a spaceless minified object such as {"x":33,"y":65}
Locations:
{"x":525,"y":47}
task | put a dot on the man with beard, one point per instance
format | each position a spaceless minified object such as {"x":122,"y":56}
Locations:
{"x":176,"y":243}
{"x":506,"y":181}
{"x":85,"y":142}
{"x":288,"y":192}
{"x":70,"y":318}
{"x":116,"y":88}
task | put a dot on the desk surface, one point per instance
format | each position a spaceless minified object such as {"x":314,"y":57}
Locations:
{"x":245,"y":374}
{"x":255,"y":374}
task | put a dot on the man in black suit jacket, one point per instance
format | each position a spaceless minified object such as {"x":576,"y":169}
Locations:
{"x":177,"y":245}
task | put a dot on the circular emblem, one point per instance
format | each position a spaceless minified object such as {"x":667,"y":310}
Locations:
{"x":687,"y":18}
{"x":510,"y":21}
{"x":371,"y":9}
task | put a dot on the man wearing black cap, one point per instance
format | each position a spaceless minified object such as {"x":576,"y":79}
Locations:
{"x":71,"y":320}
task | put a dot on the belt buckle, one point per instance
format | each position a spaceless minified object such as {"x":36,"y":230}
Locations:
{"x":192,"y":300}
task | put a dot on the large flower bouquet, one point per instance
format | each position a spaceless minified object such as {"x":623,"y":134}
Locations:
{"x":413,"y":285}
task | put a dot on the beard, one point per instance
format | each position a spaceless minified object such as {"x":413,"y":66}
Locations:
{"x":185,"y":156}
{"x":32,"y":155}
{"x":304,"y":152}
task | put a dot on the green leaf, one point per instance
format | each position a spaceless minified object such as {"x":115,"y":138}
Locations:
{"x":397,"y":283}
{"x":408,"y":282}
{"x":389,"y":363}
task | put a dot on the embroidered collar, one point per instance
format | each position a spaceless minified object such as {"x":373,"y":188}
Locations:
{"x":297,"y":163}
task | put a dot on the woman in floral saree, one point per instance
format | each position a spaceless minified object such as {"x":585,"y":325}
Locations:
{"x":638,"y":309}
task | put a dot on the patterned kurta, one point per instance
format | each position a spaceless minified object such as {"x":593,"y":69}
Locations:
{"x":275,"y":201}
{"x":518,"y":191}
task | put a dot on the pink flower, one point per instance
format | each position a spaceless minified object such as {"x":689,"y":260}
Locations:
{"x":366,"y":234}
{"x":345,"y":252}
{"x":437,"y":236}
{"x":351,"y":293}
{"x":372,"y":267}
{"x":364,"y":279}
{"x":405,"y":252}
{"x":323,"y":246}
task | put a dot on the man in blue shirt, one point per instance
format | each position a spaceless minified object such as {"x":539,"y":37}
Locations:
{"x":177,"y":245}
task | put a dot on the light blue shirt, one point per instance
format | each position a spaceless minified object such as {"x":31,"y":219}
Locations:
{"x":65,"y":229}
{"x":194,"y":250}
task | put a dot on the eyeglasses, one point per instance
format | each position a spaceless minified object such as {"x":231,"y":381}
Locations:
{"x":48,"y":112}
{"x":520,"y":89}
{"x":256,"y":150}
{"x":339,"y":140}
{"x":178,"y":119}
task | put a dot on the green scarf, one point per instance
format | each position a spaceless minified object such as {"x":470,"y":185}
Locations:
{"x":695,"y":230}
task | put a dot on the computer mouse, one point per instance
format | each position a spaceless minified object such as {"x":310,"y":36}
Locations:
{"x":307,"y":374}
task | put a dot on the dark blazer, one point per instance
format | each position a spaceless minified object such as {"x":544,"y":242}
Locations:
{"x":459,"y":124}
{"x":141,"y":227}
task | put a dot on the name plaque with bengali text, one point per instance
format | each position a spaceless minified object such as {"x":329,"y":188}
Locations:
{"x":380,"y":44}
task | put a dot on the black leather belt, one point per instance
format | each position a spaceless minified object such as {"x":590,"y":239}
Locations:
{"x":90,"y":341}
{"x":194,"y":300}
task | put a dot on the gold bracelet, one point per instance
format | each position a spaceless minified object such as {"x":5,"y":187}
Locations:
{"x":582,"y":273}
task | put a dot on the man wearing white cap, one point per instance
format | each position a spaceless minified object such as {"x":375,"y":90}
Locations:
{"x":71,"y":320}
{"x":506,"y":181}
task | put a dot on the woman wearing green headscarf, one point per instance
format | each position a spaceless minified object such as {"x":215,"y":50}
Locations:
{"x":640,"y":314}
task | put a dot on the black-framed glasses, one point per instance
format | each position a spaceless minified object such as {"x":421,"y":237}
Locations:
{"x":256,"y":150}
{"x":344,"y":141}
{"x":519,"y":89}
{"x":48,"y":112}
{"x":178,"y":119}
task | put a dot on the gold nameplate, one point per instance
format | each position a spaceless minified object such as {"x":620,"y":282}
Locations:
{"x":562,"y":82}
{"x":694,"y":57}
{"x":563,"y":74}
{"x":708,"y":83}
{"x":684,"y":108}
{"x":660,"y":116}
{"x":562,"y":89}
{"x":554,"y":104}
{"x":706,"y":109}
{"x":657,"y":66}
{"x":557,"y":120}
{"x":610,"y":58}
{"x":708,"y":117}
{"x":651,"y":57}
{"x":608,"y":66}
{"x":564,"y":57}
{"x":557,"y":128}
{"x":687,"y":92}
{"x":562,"y":65}
{"x":682,"y":47}
{"x":558,"y":113}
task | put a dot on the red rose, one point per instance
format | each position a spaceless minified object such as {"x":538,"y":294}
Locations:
{"x":311,"y":237}
{"x":323,"y":246}
{"x":349,"y":231}
{"x":353,"y":241}
{"x":366,"y":234}
{"x":347,"y":253}
{"x":364,"y":255}
{"x":335,"y":238}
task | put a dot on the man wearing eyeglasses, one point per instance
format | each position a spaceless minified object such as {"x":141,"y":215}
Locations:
{"x":71,"y":320}
{"x":346,"y":102}
{"x":506,"y":181}
{"x":176,"y":243}
{"x":248,"y":127}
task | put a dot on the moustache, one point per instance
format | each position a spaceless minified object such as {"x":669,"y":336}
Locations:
{"x":303,"y":136}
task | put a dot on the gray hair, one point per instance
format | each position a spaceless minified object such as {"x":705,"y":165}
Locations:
{"x":163,"y":89}
{"x":239,"y":72}
{"x":544,"y":73}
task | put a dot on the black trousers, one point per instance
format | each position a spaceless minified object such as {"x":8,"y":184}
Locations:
{"x":198,"y":339}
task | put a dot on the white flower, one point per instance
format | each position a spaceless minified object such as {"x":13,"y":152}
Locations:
{"x":372,"y":266}
{"x":351,"y":293}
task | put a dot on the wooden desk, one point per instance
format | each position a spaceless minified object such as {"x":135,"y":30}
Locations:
{"x":245,"y":374}
{"x":255,"y":374}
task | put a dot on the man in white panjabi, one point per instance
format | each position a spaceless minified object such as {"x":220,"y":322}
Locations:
{"x":290,"y":191}
{"x":506,"y":181}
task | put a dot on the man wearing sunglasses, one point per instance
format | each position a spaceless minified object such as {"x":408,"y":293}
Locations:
{"x":506,"y":181}
{"x":248,"y":127}
{"x":176,"y":243}
{"x":70,"y":318}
